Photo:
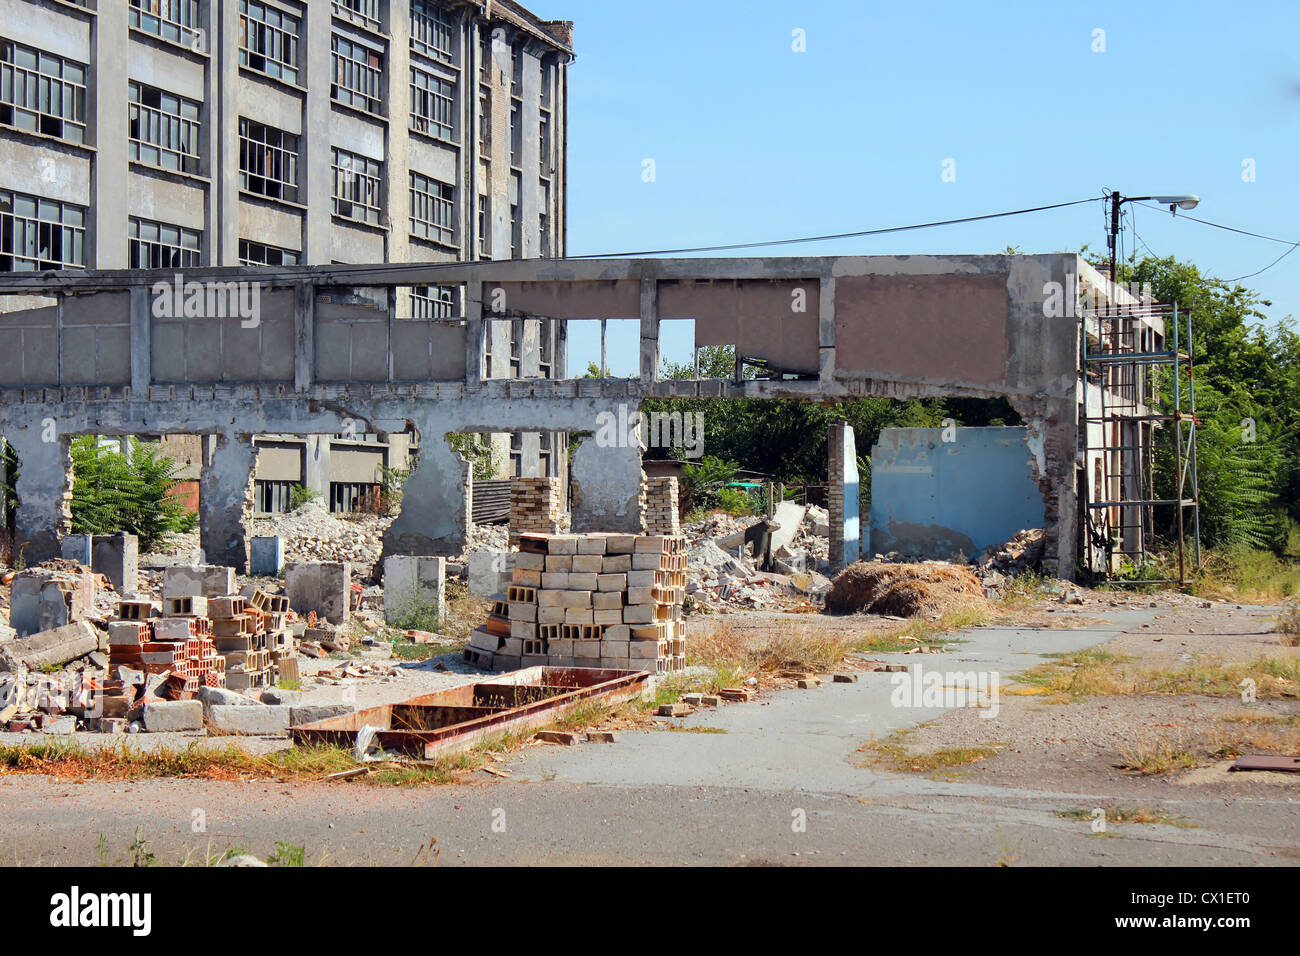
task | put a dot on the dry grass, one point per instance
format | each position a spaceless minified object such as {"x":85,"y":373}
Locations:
{"x":464,"y":612}
{"x":735,"y":653}
{"x":1288,"y":626}
{"x":1158,"y":758}
{"x":894,"y":754}
{"x":70,"y":760}
{"x":1097,"y":673}
{"x":1153,"y":815}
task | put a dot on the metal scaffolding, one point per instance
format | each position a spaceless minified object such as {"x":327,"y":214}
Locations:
{"x":1136,"y":355}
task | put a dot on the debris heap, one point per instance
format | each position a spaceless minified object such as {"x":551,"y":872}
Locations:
{"x":589,"y":600}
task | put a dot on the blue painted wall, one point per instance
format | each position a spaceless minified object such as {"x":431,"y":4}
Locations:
{"x":933,"y":499}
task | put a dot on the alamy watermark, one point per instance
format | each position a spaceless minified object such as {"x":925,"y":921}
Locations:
{"x":920,"y":688}
{"x":627,"y":428}
{"x":179,"y":299}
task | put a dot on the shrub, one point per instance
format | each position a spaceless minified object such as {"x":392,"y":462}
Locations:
{"x":116,"y":492}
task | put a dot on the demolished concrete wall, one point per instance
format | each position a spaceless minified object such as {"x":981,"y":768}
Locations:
{"x":893,"y":326}
{"x":942,"y":492}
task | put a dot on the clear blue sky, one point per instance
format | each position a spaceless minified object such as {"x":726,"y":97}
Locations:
{"x":752,"y":140}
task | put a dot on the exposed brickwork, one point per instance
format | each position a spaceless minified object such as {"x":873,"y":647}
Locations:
{"x":659,"y":506}
{"x":536,"y":505}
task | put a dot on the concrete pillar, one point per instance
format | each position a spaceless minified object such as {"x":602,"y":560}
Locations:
{"x":225,"y":502}
{"x":433,"y":519}
{"x":317,"y":476}
{"x":607,"y":488}
{"x":117,"y":557}
{"x":44,"y":489}
{"x":842,"y":497}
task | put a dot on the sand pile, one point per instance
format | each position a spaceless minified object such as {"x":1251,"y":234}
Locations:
{"x":904,"y":590}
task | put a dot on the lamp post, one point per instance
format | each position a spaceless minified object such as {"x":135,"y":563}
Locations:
{"x":1176,"y":202}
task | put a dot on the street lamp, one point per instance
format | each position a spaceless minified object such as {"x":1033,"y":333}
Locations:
{"x":1175,"y":203}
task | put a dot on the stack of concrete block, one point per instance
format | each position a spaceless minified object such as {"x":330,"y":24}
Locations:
{"x":536,"y":506}
{"x":659,"y":507}
{"x":591,"y":600}
{"x":272,"y":611}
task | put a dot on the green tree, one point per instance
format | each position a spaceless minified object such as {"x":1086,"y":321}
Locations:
{"x":114,"y":491}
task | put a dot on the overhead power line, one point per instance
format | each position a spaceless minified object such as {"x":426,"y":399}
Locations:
{"x":1242,"y":232}
{"x":842,"y":235}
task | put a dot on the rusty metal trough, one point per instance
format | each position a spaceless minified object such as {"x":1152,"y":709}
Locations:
{"x":460,"y":717}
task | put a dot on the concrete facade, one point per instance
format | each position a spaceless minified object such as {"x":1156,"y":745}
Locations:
{"x":201,"y":134}
{"x":935,"y":312}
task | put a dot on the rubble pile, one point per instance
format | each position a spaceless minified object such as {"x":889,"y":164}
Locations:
{"x":313,"y":534}
{"x":926,"y":588}
{"x":589,"y":600}
{"x":1022,"y":552}
{"x":723,"y":577}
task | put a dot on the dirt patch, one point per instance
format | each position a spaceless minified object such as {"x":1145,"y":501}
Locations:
{"x":903,"y":590}
{"x":1131,"y":745}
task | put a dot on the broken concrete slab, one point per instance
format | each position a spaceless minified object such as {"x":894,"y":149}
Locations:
{"x":255,"y":721}
{"x":207,"y":580}
{"x":278,"y":695}
{"x":789,"y":515}
{"x":51,"y":648}
{"x":41,"y":599}
{"x":415,"y":587}
{"x":321,"y":586}
{"x":172,"y":716}
{"x":489,"y":572}
{"x":310,"y":713}
{"x":222,"y":697}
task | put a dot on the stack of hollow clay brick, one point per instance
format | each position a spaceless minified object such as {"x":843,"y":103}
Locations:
{"x":659,"y":506}
{"x":591,"y":600}
{"x":178,"y":645}
{"x":536,"y":506}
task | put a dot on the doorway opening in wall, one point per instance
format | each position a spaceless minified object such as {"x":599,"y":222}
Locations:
{"x":136,"y":485}
{"x":493,"y":459}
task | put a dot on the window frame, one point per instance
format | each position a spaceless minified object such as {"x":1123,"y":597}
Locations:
{"x":287,"y":156}
{"x":437,"y":92}
{"x":40,"y":86}
{"x":179,"y":134}
{"x":282,"y":36}
{"x":177,"y":255}
{"x":18,"y":227}
{"x":426,"y":200}
{"x":358,"y":185}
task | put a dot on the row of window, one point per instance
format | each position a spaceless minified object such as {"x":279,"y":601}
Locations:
{"x":47,"y":94}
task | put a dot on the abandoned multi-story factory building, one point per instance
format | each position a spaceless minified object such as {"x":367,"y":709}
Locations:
{"x":1063,"y":345}
{"x":183,"y":134}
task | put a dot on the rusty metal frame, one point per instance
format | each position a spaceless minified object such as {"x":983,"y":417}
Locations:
{"x":554,"y":691}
